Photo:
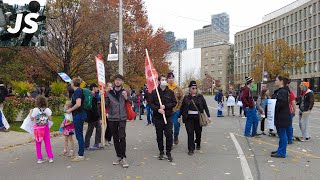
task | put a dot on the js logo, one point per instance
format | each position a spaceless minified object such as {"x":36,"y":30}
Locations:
{"x":27,"y":22}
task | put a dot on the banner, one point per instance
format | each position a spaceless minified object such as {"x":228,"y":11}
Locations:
{"x":65,"y":77}
{"x":100,"y":71}
{"x":149,"y":71}
{"x":28,"y":125}
{"x":113,"y":47}
{"x":4,"y":121}
{"x":270,"y":115}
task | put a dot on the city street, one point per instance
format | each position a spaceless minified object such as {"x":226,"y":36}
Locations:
{"x":224,"y":154}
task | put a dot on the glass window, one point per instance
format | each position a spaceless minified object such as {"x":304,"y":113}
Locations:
{"x":310,"y":22}
{"x":305,"y":24}
{"x":300,"y":14}
{"x":314,"y":43}
{"x":305,"y":12}
{"x":314,"y":20}
{"x":314,"y":55}
{"x":296,"y":16}
{"x":310,"y":9}
{"x":314,"y":31}
{"x":310,"y":68}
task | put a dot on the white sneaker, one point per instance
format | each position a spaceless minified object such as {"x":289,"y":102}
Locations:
{"x":50,"y":160}
{"x":40,"y":161}
{"x":243,"y":117}
{"x":78,"y":158}
{"x":116,"y":162}
{"x":124,"y":163}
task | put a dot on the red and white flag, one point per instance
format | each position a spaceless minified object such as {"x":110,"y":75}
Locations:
{"x":151,"y":84}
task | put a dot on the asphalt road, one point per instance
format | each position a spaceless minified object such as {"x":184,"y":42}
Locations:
{"x":220,"y":157}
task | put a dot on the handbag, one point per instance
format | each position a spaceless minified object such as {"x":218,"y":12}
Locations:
{"x":239,"y":103}
{"x":130,"y":113}
{"x":202,"y":116}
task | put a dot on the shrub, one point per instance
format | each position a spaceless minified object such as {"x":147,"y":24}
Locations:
{"x":21,"y":88}
{"x":58,"y":88}
{"x":317,"y":97}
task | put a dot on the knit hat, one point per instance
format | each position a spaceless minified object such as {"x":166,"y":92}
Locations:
{"x":170,"y":75}
{"x":192,"y":83}
{"x":307,"y":84}
{"x":248,"y":80}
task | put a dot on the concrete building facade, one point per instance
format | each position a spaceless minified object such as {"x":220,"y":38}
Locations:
{"x":299,"y":25}
{"x":208,"y":36}
{"x":215,"y":62}
{"x":221,"y":23}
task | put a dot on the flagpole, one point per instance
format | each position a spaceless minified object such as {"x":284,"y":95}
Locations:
{"x":154,"y":81}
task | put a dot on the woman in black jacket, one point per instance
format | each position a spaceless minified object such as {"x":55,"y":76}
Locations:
{"x":282,"y":115}
{"x":192,"y":105}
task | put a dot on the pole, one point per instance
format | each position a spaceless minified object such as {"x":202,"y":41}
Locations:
{"x":154,"y":81}
{"x":103,"y":116}
{"x":262,"y":70}
{"x":120,"y":39}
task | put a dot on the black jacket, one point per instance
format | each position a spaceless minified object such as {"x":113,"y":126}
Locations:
{"x":187,"y":105}
{"x":94,"y":114}
{"x":282,"y":110}
{"x":306,"y":102}
{"x":3,"y":93}
{"x":168,"y":99}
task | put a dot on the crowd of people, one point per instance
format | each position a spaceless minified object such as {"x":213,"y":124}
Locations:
{"x":164,"y":108}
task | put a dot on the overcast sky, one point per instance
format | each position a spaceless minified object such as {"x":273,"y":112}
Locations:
{"x":23,"y":2}
{"x":184,"y":16}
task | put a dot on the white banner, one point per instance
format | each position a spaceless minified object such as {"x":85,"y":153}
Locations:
{"x":113,"y":47}
{"x":4,"y":121}
{"x":101,"y":72}
{"x":270,"y":115}
{"x":28,"y":125}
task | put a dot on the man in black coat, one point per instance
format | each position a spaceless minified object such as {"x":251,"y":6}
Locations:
{"x":168,"y":103}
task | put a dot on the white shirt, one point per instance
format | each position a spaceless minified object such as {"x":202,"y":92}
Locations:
{"x":36,"y":111}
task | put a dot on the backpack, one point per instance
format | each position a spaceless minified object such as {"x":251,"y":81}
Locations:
{"x":216,"y":97}
{"x":42,"y":118}
{"x":87,"y":102}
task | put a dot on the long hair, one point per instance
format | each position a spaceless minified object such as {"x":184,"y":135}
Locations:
{"x":263,"y":93}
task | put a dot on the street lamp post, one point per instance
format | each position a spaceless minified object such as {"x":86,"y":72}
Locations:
{"x":120,"y":39}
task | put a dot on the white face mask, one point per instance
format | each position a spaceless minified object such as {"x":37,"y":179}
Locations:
{"x":163,"y":83}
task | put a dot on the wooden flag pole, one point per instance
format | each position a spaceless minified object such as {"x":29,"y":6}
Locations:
{"x":154,"y":81}
{"x":103,"y":117}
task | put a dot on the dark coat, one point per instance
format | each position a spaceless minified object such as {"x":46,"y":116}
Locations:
{"x":95,"y":113}
{"x":282,"y":110}
{"x":168,"y":99}
{"x":187,"y":105}
{"x":306,"y":101}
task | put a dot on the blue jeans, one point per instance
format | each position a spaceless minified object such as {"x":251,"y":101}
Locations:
{"x":78,"y":121}
{"x":219,"y":113}
{"x":283,"y":140}
{"x":1,"y":123}
{"x":252,"y":122}
{"x":141,"y":111}
{"x":290,"y":130}
{"x":149,"y":114}
{"x":176,"y":124}
{"x":136,"y":110}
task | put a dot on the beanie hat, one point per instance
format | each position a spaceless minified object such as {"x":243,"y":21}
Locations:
{"x":248,"y":80}
{"x":307,"y":84}
{"x":170,"y":75}
{"x":192,"y":83}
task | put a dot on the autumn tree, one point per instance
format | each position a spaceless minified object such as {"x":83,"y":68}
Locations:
{"x":278,"y":59}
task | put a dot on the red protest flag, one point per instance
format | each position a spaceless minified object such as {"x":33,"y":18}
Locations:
{"x":151,"y":84}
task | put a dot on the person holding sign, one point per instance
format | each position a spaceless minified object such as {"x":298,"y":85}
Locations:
{"x":250,"y":109}
{"x":169,"y":101}
{"x":282,"y":115}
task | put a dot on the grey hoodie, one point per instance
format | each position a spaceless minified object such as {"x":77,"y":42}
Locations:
{"x":117,"y":108}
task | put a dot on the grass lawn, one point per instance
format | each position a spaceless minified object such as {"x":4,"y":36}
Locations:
{"x":15,"y":126}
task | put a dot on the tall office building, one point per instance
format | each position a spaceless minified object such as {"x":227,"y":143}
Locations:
{"x":217,"y":31}
{"x":221,"y":22}
{"x":299,"y":24}
{"x":175,"y":45}
{"x":180,"y":45}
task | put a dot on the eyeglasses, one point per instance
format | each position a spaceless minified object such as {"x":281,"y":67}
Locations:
{"x":194,"y":88}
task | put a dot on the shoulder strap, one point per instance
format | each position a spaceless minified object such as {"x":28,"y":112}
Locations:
{"x":195,"y":105}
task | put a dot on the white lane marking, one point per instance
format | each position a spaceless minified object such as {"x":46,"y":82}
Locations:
{"x":244,"y":163}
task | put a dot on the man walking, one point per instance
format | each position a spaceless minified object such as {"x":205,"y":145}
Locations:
{"x":176,"y":110}
{"x":168,"y":103}
{"x":250,"y":109}
{"x":117,"y":116}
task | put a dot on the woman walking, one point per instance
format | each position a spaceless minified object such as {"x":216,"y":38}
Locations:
{"x":231,"y":102}
{"x":262,"y":105}
{"x":192,"y":105}
{"x":282,"y":116}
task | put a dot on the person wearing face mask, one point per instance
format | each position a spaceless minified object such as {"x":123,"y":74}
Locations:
{"x":192,"y":105}
{"x":168,"y":103}
{"x":250,"y":109}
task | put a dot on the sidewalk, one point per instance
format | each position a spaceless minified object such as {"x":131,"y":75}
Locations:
{"x":316,"y":104}
{"x":13,"y":138}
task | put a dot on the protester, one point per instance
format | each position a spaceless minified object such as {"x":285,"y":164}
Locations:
{"x":68,"y":131}
{"x":176,"y":110}
{"x":142,"y":103}
{"x":42,"y":115}
{"x":282,"y":115}
{"x":3,"y":95}
{"x":36,"y":92}
{"x":262,"y":106}
{"x":116,"y":100}
{"x":93,"y":120}
{"x":169,"y":101}
{"x":148,"y":108}
{"x":250,"y":109}
{"x":192,"y":105}
{"x":231,"y":102}
{"x":79,"y":116}
{"x":136,"y":102}
{"x":108,"y":134}
{"x":220,"y":100}
{"x":306,"y":102}
{"x":292,"y":106}
{"x":241,"y":104}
